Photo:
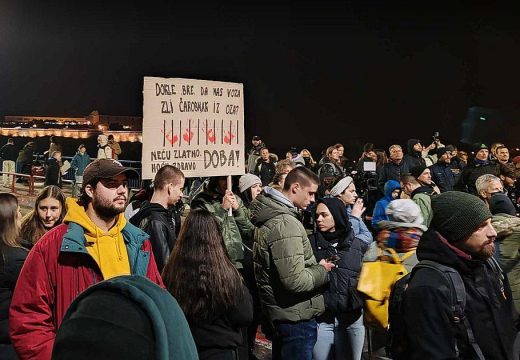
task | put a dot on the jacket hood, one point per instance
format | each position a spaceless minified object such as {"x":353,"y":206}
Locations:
{"x":505,"y":224}
{"x":390,"y":186}
{"x":76,"y":214}
{"x":144,"y":306}
{"x":411,"y":143}
{"x":145,"y":210}
{"x":270,"y":204}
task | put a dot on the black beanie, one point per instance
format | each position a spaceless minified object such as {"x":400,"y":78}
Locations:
{"x":441,"y":151}
{"x":417,"y":170}
{"x":456,"y":215}
{"x":501,"y":204}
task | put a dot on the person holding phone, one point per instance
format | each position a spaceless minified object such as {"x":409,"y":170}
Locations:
{"x":341,"y":332}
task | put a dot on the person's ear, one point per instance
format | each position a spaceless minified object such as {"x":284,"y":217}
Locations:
{"x":295,"y":187}
{"x":89,"y":190}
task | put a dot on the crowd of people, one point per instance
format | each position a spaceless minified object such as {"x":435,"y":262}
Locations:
{"x":26,"y":161}
{"x":194,"y":268}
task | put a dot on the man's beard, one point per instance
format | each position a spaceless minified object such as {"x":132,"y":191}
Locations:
{"x":105,"y":209}
{"x":484,"y":253}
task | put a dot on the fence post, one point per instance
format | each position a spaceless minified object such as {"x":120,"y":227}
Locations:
{"x":13,"y":184}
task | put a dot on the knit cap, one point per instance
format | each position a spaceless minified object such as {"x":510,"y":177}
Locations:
{"x":456,"y":215}
{"x":441,"y":151}
{"x":417,"y":170}
{"x":341,"y":185}
{"x":248,"y":180}
{"x":479,"y":146}
{"x":403,"y":213}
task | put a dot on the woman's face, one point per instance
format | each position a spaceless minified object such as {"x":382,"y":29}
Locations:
{"x":305,"y":153}
{"x":340,"y":151}
{"x":256,"y":189}
{"x":349,"y":196}
{"x":18,"y":218}
{"x":49,"y":211}
{"x":324,"y":219}
{"x":334,"y":155}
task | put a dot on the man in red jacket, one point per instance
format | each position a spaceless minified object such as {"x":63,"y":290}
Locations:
{"x":93,"y":244}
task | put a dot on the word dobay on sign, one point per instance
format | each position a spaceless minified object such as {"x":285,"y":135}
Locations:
{"x":195,"y":125}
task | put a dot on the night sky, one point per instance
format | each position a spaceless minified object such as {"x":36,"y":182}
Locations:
{"x":314,"y":73}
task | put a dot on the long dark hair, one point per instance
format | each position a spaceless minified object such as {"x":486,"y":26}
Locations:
{"x":32,"y":227}
{"x":199,"y":273}
{"x":9,"y":232}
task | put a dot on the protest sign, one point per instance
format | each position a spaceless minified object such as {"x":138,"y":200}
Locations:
{"x":194,"y":125}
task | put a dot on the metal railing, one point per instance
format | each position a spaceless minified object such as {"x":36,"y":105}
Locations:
{"x":132,"y":183}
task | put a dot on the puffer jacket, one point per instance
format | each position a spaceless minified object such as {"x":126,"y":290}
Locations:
{"x":235,"y":229}
{"x":286,"y":271}
{"x":56,"y":271}
{"x":508,"y":230}
{"x":341,"y":294}
{"x":422,"y":197}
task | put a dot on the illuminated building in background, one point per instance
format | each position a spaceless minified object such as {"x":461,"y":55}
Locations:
{"x":124,"y":128}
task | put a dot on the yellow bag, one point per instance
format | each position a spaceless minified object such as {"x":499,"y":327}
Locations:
{"x":375,"y":283}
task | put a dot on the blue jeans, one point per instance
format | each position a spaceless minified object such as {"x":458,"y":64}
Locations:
{"x":341,"y":339}
{"x":295,"y":340}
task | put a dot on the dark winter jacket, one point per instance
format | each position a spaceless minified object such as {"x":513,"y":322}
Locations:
{"x":471,"y":173}
{"x":79,"y":163}
{"x":414,"y":158}
{"x":331,"y":168}
{"x":217,"y":336}
{"x":340,"y":293}
{"x":11,"y":261}
{"x":159,"y":223}
{"x":265,"y":170}
{"x":8,"y":152}
{"x":442,"y":176}
{"x":427,"y":313}
{"x":52,"y":172}
{"x":392,"y":171}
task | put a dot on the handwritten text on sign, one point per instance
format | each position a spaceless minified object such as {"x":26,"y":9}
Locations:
{"x":195,"y":125}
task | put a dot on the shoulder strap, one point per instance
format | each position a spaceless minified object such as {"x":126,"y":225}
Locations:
{"x":458,"y":298}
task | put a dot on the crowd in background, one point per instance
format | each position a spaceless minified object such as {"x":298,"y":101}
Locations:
{"x":283,"y":251}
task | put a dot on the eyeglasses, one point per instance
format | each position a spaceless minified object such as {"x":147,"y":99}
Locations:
{"x":113,"y":184}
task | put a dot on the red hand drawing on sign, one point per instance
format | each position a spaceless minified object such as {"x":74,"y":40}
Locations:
{"x":171,"y":139}
{"x":228,"y":138}
{"x":188,"y":135}
{"x":210,"y":136}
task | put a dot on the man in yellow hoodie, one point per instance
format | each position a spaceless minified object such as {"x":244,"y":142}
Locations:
{"x":94,"y":243}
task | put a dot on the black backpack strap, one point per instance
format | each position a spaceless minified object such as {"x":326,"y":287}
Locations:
{"x":458,"y":299}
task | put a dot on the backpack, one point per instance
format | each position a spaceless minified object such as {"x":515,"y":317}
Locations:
{"x":397,"y":340}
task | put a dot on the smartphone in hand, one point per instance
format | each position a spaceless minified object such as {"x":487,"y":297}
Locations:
{"x":333,"y":259}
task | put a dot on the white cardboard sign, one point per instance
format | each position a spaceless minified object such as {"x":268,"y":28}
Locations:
{"x":194,"y":125}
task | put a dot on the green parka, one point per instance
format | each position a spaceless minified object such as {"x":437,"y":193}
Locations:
{"x":234,"y":228}
{"x":287,"y":274}
{"x":508,"y":230}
